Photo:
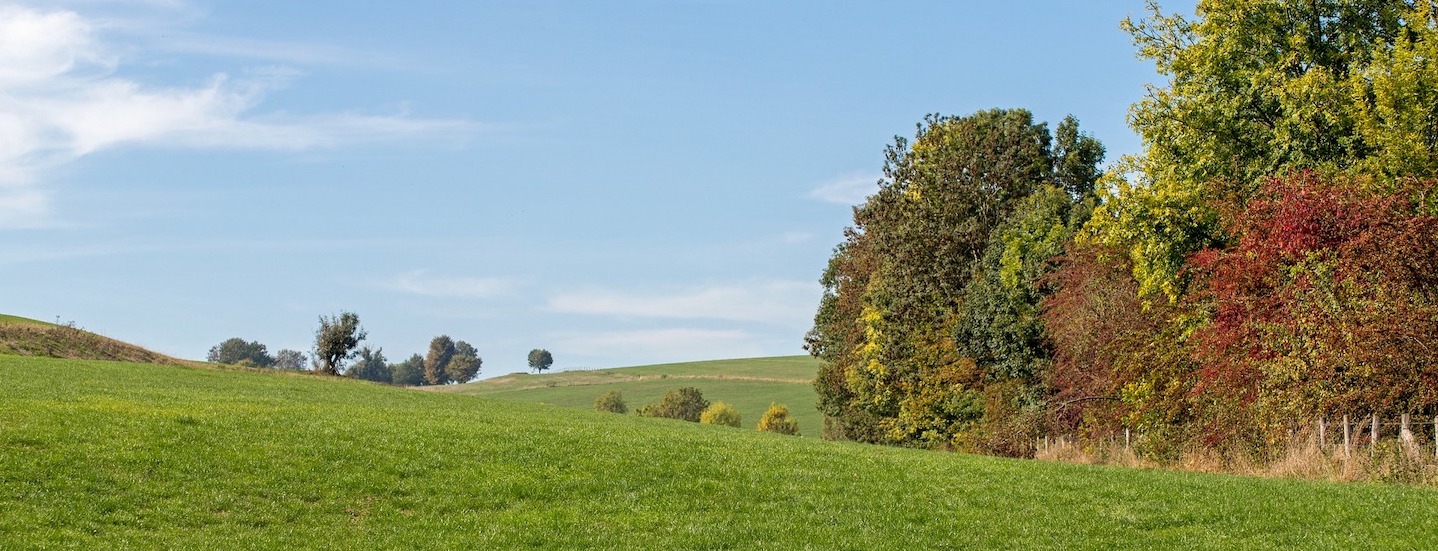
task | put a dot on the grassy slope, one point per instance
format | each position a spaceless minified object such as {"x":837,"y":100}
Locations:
{"x":101,"y":454}
{"x":27,"y":337}
{"x":749,"y":384}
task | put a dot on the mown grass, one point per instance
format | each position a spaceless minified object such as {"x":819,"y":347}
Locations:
{"x":750,"y":384}
{"x":113,"y":455}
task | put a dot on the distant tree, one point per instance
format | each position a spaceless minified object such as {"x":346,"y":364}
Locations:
{"x":777,"y":419}
{"x":335,"y":342}
{"x":611,"y":401}
{"x":370,"y":366}
{"x":540,"y":360}
{"x":290,"y":359}
{"x":681,"y":403}
{"x":409,"y":372}
{"x":441,"y":350}
{"x":234,"y":351}
{"x":720,"y":413}
{"x":464,"y":365}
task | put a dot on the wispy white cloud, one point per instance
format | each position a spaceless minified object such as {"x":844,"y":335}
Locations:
{"x":61,"y":99}
{"x":849,"y":189}
{"x":417,"y":283}
{"x":775,"y":302}
{"x":673,"y":344}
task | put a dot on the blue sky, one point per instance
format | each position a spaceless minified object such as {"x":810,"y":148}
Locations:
{"x":618,"y":182}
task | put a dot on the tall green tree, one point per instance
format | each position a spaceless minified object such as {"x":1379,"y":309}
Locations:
{"x":436,"y":361}
{"x":540,"y":360}
{"x":409,"y":372}
{"x":895,"y":290}
{"x":335,"y":342}
{"x":370,"y":366}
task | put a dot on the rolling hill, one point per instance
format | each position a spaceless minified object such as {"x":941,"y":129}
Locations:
{"x":123,"y":455}
{"x":749,"y":384}
{"x":28,"y":337}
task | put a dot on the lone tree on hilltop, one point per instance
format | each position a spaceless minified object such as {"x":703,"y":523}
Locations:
{"x":540,"y":360}
{"x":236,"y":351}
{"x":335,"y":342}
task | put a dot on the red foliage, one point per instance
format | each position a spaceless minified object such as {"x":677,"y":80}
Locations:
{"x":1326,"y":303}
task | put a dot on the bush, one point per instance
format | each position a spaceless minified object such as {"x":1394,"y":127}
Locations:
{"x":612,"y":402}
{"x":720,"y":413}
{"x":776,"y":419}
{"x":681,"y":403}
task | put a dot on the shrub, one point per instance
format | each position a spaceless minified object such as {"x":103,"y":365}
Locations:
{"x":681,"y":403}
{"x":777,"y":419}
{"x":612,"y":402}
{"x":720,"y":413}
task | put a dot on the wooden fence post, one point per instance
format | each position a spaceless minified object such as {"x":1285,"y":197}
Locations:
{"x":1347,"y":432}
{"x":1322,"y":434}
{"x":1373,"y":433}
{"x":1435,"y":436}
{"x":1125,"y":438}
{"x":1405,"y":432}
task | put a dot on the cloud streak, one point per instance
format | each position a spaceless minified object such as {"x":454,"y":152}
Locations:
{"x":849,"y":189}
{"x":774,"y":302}
{"x":417,"y":283}
{"x":60,"y":100}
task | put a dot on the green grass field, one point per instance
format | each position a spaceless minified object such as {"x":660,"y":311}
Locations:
{"x":749,"y":384}
{"x":21,"y":321}
{"x":98,"y":454}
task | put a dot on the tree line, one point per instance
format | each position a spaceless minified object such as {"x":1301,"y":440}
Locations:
{"x":337,"y":351}
{"x":1270,"y":258}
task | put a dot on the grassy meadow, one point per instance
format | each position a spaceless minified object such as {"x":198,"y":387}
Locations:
{"x":749,"y":384}
{"x":97,"y":454}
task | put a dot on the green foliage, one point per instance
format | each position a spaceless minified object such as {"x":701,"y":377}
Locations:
{"x":720,"y":413}
{"x":684,"y":403}
{"x":776,"y":419}
{"x":409,"y":372}
{"x":540,"y":360}
{"x":370,"y":366}
{"x":943,"y":262}
{"x":335,"y":342}
{"x":436,"y":361}
{"x":464,"y":365}
{"x":612,"y":401}
{"x":236,"y":350}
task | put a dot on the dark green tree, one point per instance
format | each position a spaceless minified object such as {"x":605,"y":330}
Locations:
{"x":370,"y":366}
{"x":237,"y":351}
{"x":409,"y":372}
{"x":464,"y":365}
{"x":335,"y":342}
{"x":540,"y":360}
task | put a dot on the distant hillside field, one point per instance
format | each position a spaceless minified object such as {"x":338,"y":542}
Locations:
{"x":134,"y":456}
{"x":28,"y":337}
{"x":749,"y":384}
